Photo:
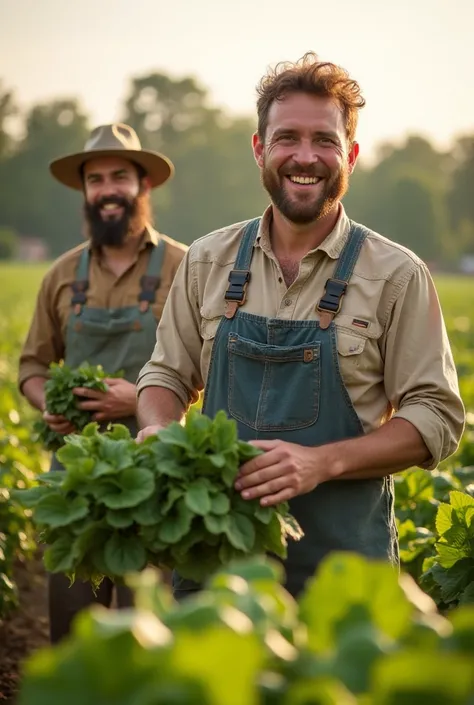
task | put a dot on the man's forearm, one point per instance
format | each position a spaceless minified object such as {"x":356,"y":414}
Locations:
{"x":158,"y":406}
{"x":395,"y":446}
{"x":33,"y":389}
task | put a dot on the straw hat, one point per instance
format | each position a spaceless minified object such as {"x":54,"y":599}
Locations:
{"x":115,"y":140}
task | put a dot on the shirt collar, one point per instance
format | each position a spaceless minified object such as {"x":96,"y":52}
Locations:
{"x":332,"y":245}
{"x":149,"y":236}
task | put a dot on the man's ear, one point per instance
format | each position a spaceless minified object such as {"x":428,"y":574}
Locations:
{"x":258,"y":148}
{"x":352,"y":157}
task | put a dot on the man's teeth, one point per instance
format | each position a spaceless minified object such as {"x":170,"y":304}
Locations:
{"x":305,"y":179}
{"x":110,"y":206}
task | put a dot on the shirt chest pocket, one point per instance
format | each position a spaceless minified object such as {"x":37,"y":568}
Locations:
{"x":209,"y":324}
{"x":359,"y":357}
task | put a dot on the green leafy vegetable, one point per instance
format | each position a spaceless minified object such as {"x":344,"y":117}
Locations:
{"x":449,"y":575}
{"x":170,"y":501}
{"x":61,"y":400}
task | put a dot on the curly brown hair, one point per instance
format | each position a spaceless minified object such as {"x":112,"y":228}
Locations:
{"x":315,"y":77}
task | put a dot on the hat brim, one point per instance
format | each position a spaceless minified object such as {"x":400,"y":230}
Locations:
{"x":67,"y":170}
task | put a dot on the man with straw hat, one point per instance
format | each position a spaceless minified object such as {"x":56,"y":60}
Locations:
{"x":101,"y":302}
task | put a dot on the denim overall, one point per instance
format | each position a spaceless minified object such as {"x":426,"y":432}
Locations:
{"x":280,"y":379}
{"x":118,"y":339}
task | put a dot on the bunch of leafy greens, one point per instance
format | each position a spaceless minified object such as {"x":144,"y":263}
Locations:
{"x":449,"y":575}
{"x":60,"y":399}
{"x":169,"y":501}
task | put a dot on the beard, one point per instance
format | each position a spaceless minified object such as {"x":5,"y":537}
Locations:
{"x":308,"y":210}
{"x":114,"y":231}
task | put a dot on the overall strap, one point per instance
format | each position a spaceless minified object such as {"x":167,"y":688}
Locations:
{"x":239,"y":277}
{"x":331,"y":301}
{"x":81,"y":283}
{"x":150,"y":281}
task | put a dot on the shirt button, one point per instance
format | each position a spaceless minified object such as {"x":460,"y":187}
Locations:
{"x":288,"y":302}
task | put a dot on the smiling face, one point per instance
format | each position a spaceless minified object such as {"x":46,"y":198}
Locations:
{"x":305,"y":160}
{"x":115,"y":200}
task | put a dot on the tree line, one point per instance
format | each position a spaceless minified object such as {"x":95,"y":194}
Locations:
{"x":414,"y":193}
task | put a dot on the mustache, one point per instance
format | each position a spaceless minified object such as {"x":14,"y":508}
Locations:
{"x":114,"y":200}
{"x":314,"y":171}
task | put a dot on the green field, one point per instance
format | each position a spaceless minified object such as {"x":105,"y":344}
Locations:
{"x":369,"y":640}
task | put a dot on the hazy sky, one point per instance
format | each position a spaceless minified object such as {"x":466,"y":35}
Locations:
{"x":413,"y":58}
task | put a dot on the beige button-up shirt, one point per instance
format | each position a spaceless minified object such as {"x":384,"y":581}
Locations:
{"x":394,"y":353}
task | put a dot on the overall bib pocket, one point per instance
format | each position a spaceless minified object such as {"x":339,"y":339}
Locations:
{"x":273,"y":388}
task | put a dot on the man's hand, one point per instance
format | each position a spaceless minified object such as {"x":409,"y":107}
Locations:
{"x":58,"y":423}
{"x":148,"y":431}
{"x":282,"y":472}
{"x":117,"y":402}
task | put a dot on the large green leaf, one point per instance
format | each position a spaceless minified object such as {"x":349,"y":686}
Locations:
{"x":220,"y":504}
{"x":30,"y":498}
{"x":460,"y":500}
{"x":70,"y":454}
{"x":224,"y":432}
{"x":61,"y":555}
{"x":197,"y":498}
{"x":210,"y":657}
{"x":58,"y":510}
{"x":270,"y":537}
{"x":124,"y":554}
{"x":176,"y":524}
{"x":444,"y":518}
{"x":345,"y":580}
{"x":148,"y":512}
{"x":217,"y":524}
{"x":263,"y":514}
{"x":134,"y":485}
{"x":449,"y":555}
{"x":102,"y":467}
{"x":359,"y":646}
{"x":175,"y":435}
{"x":455,"y":579}
{"x":241,"y":532}
{"x":118,"y":453}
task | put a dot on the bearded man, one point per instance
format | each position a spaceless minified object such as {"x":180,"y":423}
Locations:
{"x":100,"y":303}
{"x":322,"y":339}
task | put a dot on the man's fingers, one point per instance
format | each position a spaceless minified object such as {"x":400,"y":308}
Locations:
{"x":88,"y":393}
{"x":114,"y":381}
{"x":89,"y":405}
{"x":260,"y":462}
{"x":264,"y":489}
{"x":63,"y":429}
{"x":258,"y":477}
{"x":282,"y":496}
{"x":54,"y":418}
{"x":265,"y":445}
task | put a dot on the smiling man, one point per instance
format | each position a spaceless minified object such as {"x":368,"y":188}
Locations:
{"x":322,"y":339}
{"x":100,"y":303}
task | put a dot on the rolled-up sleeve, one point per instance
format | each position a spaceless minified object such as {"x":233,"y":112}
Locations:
{"x":44,"y":343}
{"x":420,"y":376}
{"x":175,"y":361}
